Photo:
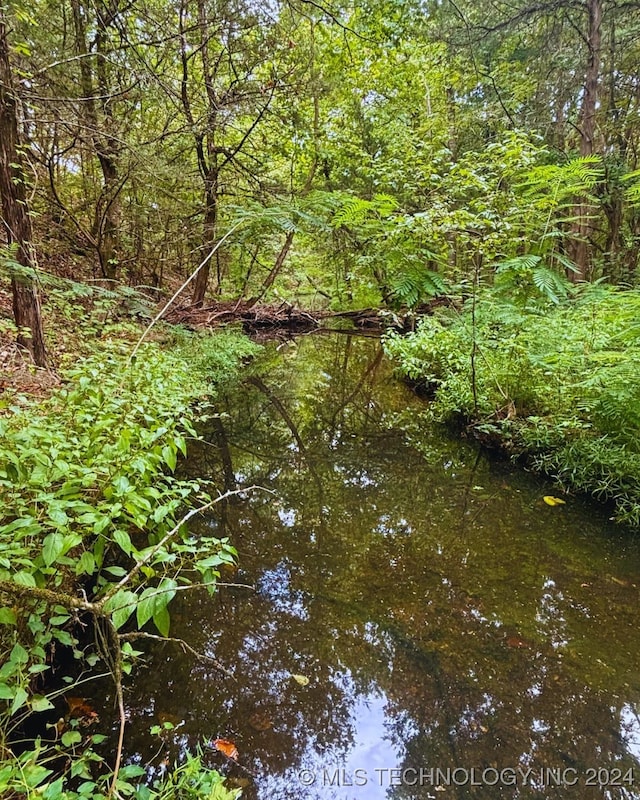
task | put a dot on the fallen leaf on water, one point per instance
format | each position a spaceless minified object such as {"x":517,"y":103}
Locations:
{"x":225,"y":746}
{"x":516,"y":641}
{"x":259,"y":721}
{"x":80,"y":709}
{"x":78,"y":706}
{"x":553,"y":501}
{"x":301,"y":679}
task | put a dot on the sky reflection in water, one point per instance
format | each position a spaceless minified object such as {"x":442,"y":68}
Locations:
{"x":444,"y":615}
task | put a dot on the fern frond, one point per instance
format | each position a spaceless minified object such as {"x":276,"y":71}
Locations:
{"x":519,"y":264}
{"x":415,"y":285}
{"x":354,"y":211}
{"x":566,"y":262}
{"x":550,"y":284}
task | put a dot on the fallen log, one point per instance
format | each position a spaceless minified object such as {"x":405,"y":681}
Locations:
{"x":255,"y":317}
{"x":252,"y":317}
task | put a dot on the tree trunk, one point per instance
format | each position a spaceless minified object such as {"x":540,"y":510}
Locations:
{"x":208,"y":164}
{"x":105,"y":145}
{"x":584,"y":226}
{"x":26,"y":304}
{"x":210,"y":231}
{"x":279,"y":263}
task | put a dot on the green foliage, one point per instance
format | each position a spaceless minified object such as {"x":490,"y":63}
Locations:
{"x":191,"y":781}
{"x":559,"y":383}
{"x":88,"y":492}
{"x":356,"y":210}
{"x":93,"y":465}
{"x":416,"y":284}
{"x":525,"y":281}
{"x":27,"y":776}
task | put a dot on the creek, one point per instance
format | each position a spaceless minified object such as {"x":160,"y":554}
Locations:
{"x":436,"y":612}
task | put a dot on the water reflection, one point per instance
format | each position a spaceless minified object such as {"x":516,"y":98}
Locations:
{"x":444,"y":616}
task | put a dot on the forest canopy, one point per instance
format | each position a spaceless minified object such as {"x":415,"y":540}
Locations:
{"x":363,"y":154}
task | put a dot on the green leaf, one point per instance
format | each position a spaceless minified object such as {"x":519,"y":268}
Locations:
{"x":52,"y":547}
{"x":64,"y":637}
{"x":6,"y":692}
{"x":168,"y":588}
{"x":86,"y":564}
{"x":23,"y":522}
{"x":132,"y":771}
{"x":123,"y":540}
{"x":18,"y":654}
{"x":121,"y":606}
{"x":71,"y":540}
{"x":71,"y":737}
{"x":102,"y":522}
{"x":24,"y":578}
{"x":160,"y":513}
{"x":162,"y":621}
{"x":208,"y":563}
{"x":154,"y":600}
{"x":40,"y":703}
{"x":122,"y":485}
{"x":7,"y":616}
{"x":146,"y":607}
{"x":169,"y":456}
{"x":118,"y":572}
{"x":19,"y":699}
{"x":58,"y":517}
{"x":54,"y":790}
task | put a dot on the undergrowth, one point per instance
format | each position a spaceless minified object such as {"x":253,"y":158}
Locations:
{"x":88,"y":494}
{"x":556,"y":381}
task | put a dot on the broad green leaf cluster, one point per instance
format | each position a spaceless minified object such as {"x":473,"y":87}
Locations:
{"x":90,"y":498}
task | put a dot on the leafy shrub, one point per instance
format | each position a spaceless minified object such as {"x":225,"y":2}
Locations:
{"x":88,"y":494}
{"x":557,"y":380}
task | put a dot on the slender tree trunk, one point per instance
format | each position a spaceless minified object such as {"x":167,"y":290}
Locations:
{"x":210,"y":232}
{"x":107,"y":151}
{"x":208,"y":164}
{"x":26,"y":304}
{"x":451,"y":123}
{"x":105,"y":146}
{"x":279,"y":263}
{"x":590,"y":101}
{"x":584,"y":226}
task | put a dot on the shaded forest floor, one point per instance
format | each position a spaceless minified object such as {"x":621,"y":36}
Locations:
{"x":18,"y":375}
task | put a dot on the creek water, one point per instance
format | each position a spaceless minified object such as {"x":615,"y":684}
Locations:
{"x":451,"y":633}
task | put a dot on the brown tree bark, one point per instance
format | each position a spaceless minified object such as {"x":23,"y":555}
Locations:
{"x":583,"y":226}
{"x":98,"y":126}
{"x":26,"y":303}
{"x":210,"y":233}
